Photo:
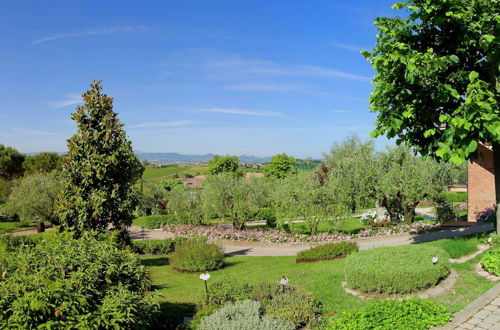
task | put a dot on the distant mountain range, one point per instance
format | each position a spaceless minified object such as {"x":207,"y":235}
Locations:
{"x":166,"y":157}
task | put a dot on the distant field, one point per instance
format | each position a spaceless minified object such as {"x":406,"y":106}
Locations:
{"x":164,"y":173}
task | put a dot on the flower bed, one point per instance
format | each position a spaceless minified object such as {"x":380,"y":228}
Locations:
{"x":218,"y":232}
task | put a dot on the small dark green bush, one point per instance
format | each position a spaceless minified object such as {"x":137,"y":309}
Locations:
{"x":71,"y":283}
{"x":160,"y":246}
{"x":414,"y":314}
{"x":491,"y":261}
{"x":267,"y":214}
{"x":445,"y":213}
{"x":328,"y":251}
{"x":399,"y":269}
{"x":293,"y":306}
{"x":197,"y":255}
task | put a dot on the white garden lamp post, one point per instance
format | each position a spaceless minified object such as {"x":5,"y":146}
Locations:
{"x":490,"y":239}
{"x":205,"y":277}
{"x":283,"y":282}
{"x":435,"y":260}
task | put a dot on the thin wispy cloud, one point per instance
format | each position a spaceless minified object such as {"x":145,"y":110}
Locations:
{"x":92,"y":32}
{"x":69,"y":99}
{"x":265,"y":87}
{"x":340,"y":111}
{"x":244,"y":112}
{"x":161,"y":124}
{"x":33,"y":132}
{"x":346,"y":46}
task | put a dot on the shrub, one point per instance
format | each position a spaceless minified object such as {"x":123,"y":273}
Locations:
{"x":154,"y":221}
{"x":328,"y":251}
{"x":392,"y":314}
{"x":294,"y":306}
{"x":267,"y":214}
{"x":491,"y":261}
{"x":243,"y":315}
{"x":9,"y":242}
{"x":400,"y":269}
{"x":160,"y":246}
{"x":445,"y":213}
{"x":73,"y":283}
{"x":495,"y":240}
{"x":197,"y":255}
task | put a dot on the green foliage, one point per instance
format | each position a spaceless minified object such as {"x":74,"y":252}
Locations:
{"x":445,"y":213}
{"x":292,"y":305}
{"x":351,"y":169}
{"x":414,"y":314}
{"x":73,"y":283}
{"x":11,"y":163}
{"x":153,"y":200}
{"x":491,"y":261}
{"x":327,"y":251}
{"x":9,"y":242}
{"x":400,"y":269}
{"x":280,"y":166}
{"x":44,"y":162}
{"x":457,"y":247}
{"x":404,"y":180}
{"x":156,"y":246}
{"x":34,"y":197}
{"x":242,"y":315}
{"x":99,"y":170}
{"x":171,"y":184}
{"x":185,"y":205}
{"x":197,"y":255}
{"x":218,"y":165}
{"x":454,"y":197}
{"x":267,"y":214}
{"x":154,"y":221}
{"x":427,"y":79}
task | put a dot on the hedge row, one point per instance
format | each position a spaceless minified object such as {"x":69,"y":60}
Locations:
{"x":327,"y":251}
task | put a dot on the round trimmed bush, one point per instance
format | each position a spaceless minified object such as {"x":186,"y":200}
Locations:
{"x":399,"y":269}
{"x":491,"y":261}
{"x":197,"y":255}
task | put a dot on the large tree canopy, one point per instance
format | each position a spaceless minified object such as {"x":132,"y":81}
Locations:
{"x":280,"y":166}
{"x":11,"y":163}
{"x":436,"y":86}
{"x":43,"y":162}
{"x":100,"y":168}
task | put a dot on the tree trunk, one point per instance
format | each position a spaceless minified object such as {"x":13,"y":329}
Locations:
{"x":496,"y":166}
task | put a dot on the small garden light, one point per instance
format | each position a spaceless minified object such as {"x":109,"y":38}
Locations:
{"x":283,"y":282}
{"x":205,"y":277}
{"x":490,"y":239}
{"x":435,"y":260}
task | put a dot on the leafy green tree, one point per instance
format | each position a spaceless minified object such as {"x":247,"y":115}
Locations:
{"x":99,"y":170}
{"x":404,"y":180}
{"x":280,"y":166}
{"x":226,"y":195}
{"x":43,"y":162}
{"x":171,"y":184}
{"x":437,"y":86}
{"x":301,"y":196}
{"x":185,"y":205}
{"x":34,"y":197}
{"x":352,"y":172}
{"x":11,"y":163}
{"x":224,"y":164}
{"x":153,"y":200}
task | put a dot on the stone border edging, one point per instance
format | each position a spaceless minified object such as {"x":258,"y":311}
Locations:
{"x":472,"y":308}
{"x":482,"y":272}
{"x":444,"y":286}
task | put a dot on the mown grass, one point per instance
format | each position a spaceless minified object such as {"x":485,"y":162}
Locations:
{"x":180,"y":292}
{"x":347,"y":225}
{"x":10,"y":226}
{"x":458,"y":246}
{"x":164,"y":173}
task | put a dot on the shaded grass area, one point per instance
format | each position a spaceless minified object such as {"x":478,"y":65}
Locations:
{"x":323,"y":279}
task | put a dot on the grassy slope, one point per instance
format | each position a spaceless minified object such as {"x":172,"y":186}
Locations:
{"x":182,"y":291}
{"x":164,"y":173}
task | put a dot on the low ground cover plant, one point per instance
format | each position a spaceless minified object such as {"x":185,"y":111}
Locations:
{"x":197,"y":255}
{"x":396,"y":270}
{"x":291,"y":305}
{"x":242,"y":315}
{"x":415,"y":314}
{"x":73,"y":283}
{"x":328,"y":251}
{"x":491,"y":261}
{"x":158,"y":246}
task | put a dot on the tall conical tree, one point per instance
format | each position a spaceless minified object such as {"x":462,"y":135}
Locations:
{"x":100,"y":168}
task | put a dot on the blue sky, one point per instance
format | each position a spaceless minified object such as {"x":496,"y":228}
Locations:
{"x":237,"y":77}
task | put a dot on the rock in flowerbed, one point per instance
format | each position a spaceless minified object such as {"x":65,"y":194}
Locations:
{"x":220,"y":231}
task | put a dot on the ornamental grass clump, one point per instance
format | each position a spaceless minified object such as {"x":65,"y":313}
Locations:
{"x":71,"y":283}
{"x":197,"y":255}
{"x":396,"y":270}
{"x":415,"y":314}
{"x":327,"y":251}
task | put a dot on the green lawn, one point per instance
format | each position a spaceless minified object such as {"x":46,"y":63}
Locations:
{"x":179,"y":292}
{"x":458,"y":246}
{"x":9,"y":226}
{"x":164,"y":173}
{"x":347,"y":225}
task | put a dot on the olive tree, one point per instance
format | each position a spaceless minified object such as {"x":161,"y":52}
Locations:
{"x":280,"y":166}
{"x":34,"y":197}
{"x":42,"y":162}
{"x":218,"y":165}
{"x":11,"y":163}
{"x":185,"y":205}
{"x":99,"y":170}
{"x":436,"y":81}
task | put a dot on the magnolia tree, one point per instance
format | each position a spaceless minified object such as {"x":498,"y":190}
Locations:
{"x":437,"y":86}
{"x":99,"y":170}
{"x":34,"y":198}
{"x":301,"y":196}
